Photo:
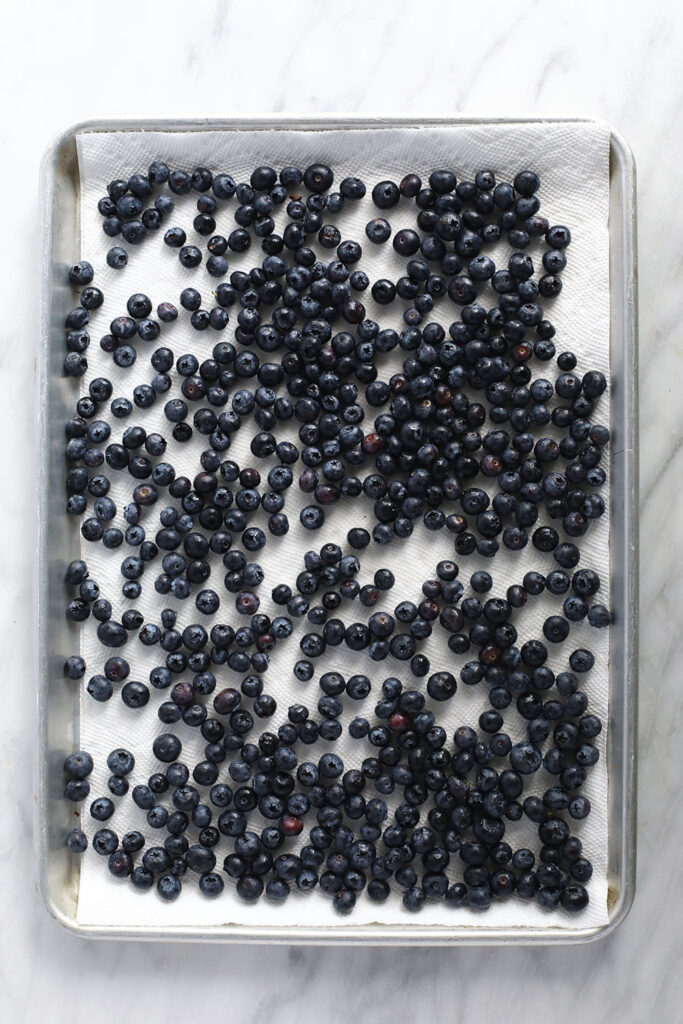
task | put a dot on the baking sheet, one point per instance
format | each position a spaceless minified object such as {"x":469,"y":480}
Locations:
{"x":573,"y":162}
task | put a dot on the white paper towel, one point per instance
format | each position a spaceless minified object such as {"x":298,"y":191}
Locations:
{"x":572,"y":160}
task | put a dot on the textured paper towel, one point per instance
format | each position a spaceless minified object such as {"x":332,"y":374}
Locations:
{"x":572,"y":160}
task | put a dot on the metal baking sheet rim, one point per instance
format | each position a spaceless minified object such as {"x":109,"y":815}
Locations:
{"x":58,"y":882}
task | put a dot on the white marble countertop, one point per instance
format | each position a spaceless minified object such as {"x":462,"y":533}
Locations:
{"x":65,"y":62}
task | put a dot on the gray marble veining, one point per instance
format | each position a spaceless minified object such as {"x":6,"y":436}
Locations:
{"x":222,"y":59}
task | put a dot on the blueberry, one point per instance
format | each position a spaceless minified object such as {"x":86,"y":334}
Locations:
{"x":525,"y":758}
{"x":312,"y":517}
{"x":77,"y":841}
{"x":101,"y":809}
{"x":599,"y":616}
{"x":442,"y":181}
{"x":100,"y":688}
{"x":78,"y":765}
{"x":111,"y":226}
{"x":581,"y":660}
{"x":190,"y":256}
{"x":441,"y":686}
{"x":117,"y":785}
{"x":406,"y":242}
{"x":414,"y":898}
{"x":556,"y":629}
{"x":142,"y":878}
{"x":117,"y":257}
{"x":249,"y":888}
{"x":120,"y":762}
{"x":77,"y":790}
{"x":211,"y":884}
{"x":318,"y":178}
{"x":167,"y":747}
{"x":81,"y":274}
{"x":169,"y":887}
{"x":574,"y":897}
{"x":133,"y":841}
{"x":105,"y":842}
{"x":120,"y":864}
{"x":223,"y":186}
{"x":579,"y":807}
{"x":91,"y":298}
{"x":157,"y":173}
{"x":343,"y":901}
{"x":378,"y":230}
{"x":527,"y":182}
{"x":175,"y":237}
{"x":385,"y":194}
